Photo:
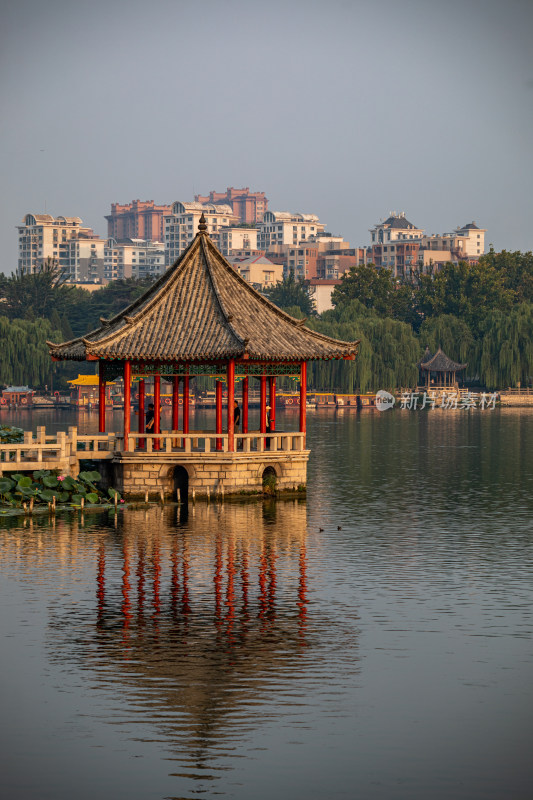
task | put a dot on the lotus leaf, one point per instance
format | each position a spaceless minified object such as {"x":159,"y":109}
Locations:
{"x":112,"y":493}
{"x":76,"y":498}
{"x":40,"y":473}
{"x":92,"y":497}
{"x":6,"y":485}
{"x":68,"y":484}
{"x":63,"y":497}
{"x":46,"y":495}
{"x":24,"y":482}
{"x":87,"y":477}
{"x":26,"y":491}
{"x":50,"y":481}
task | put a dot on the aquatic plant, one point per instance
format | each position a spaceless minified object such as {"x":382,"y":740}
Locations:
{"x":11,"y":435}
{"x":45,"y":485}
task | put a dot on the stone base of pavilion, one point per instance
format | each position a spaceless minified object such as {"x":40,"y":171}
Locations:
{"x":208,"y":475}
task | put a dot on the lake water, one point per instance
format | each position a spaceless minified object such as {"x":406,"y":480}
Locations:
{"x":375,"y":641}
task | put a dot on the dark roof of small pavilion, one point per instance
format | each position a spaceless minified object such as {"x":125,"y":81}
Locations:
{"x":439,"y":362}
{"x":201,"y":309}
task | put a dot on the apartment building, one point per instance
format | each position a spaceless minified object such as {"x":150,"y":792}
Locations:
{"x":237,"y":239}
{"x":403,"y":248}
{"x":320,"y":291}
{"x":283,"y":228}
{"x":137,"y":220}
{"x":77,"y":250}
{"x":463,"y":243}
{"x":332,"y":264}
{"x":261,"y":272}
{"x":395,"y":227}
{"x":249,"y":207}
{"x":181,"y":225}
{"x":302,"y":261}
{"x":133,"y":258}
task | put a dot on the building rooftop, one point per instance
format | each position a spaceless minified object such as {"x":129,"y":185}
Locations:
{"x":439,"y":362}
{"x":398,"y":222}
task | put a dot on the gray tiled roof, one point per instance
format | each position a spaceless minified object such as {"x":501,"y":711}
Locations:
{"x":439,"y":362}
{"x":399,"y":222}
{"x":201,"y":309}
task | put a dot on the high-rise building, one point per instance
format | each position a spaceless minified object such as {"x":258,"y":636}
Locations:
{"x":235,"y":238}
{"x":284,"y":228}
{"x":77,"y":251}
{"x":133,"y":258}
{"x":248,"y":206}
{"x":137,"y":220}
{"x":181,"y":225}
{"x":403,"y":248}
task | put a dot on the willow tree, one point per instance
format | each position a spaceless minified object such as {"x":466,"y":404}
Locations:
{"x":507,"y":347}
{"x":25,"y":357}
{"x":455,"y":338}
{"x":387,"y":356}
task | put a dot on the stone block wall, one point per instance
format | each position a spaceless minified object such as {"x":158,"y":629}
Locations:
{"x":210,"y":473}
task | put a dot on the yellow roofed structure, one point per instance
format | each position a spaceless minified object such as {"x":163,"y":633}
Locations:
{"x":85,"y":380}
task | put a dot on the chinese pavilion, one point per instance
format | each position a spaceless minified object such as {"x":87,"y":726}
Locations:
{"x":202,"y":318}
{"x":441,"y":366}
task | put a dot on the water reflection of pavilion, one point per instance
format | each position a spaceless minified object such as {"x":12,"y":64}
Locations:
{"x":200,"y":625}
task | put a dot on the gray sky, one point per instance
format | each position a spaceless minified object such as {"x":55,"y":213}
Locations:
{"x":344,"y":108}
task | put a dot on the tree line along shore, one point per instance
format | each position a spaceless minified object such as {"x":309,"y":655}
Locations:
{"x":480,"y":314}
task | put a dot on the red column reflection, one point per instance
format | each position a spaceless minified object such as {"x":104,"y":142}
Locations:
{"x":100,"y":584}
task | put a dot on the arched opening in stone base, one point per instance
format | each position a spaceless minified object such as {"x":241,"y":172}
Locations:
{"x":270,"y":481}
{"x":181,"y":484}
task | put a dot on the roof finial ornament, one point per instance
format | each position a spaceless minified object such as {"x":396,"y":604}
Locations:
{"x":202,"y":226}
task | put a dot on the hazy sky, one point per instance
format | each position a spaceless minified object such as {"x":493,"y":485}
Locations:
{"x":344,"y":108}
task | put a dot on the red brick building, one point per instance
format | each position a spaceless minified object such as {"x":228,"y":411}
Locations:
{"x":248,"y":206}
{"x":137,"y":220}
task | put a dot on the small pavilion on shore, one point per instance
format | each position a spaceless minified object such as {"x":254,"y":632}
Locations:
{"x":202,"y":319}
{"x":438,"y":369}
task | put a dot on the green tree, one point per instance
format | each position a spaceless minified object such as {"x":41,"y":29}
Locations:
{"x":289,"y":293}
{"x":25,"y":357}
{"x":378,"y":290}
{"x":516,"y":269}
{"x":388,"y":351}
{"x":455,"y":337}
{"x":467,"y":291}
{"x":507,"y":347}
{"x":38,"y":294}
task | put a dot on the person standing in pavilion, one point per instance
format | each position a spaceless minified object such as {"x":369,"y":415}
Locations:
{"x":150,"y":418}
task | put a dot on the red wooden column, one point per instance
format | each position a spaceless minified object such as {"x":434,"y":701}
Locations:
{"x":157,"y":408}
{"x":175,"y":402}
{"x":101,"y":399}
{"x":230,"y":376}
{"x":186,"y":404}
{"x":127,"y":402}
{"x":262,"y":404}
{"x":303,"y":395}
{"x":141,"y":410}
{"x":272,"y":387}
{"x":245,"y":405}
{"x":218,"y":398}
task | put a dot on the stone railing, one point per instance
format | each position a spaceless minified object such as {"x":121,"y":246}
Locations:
{"x":55,"y":451}
{"x":160,"y":444}
{"x":59,"y":450}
